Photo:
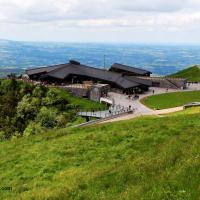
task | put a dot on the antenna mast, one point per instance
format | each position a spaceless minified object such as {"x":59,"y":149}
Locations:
{"x":104,"y":61}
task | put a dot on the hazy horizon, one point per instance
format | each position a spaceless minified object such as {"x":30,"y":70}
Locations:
{"x":106,"y":42}
{"x":158,"y":58}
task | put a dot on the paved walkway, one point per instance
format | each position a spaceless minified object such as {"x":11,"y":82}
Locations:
{"x":123,"y":100}
{"x":139,"y":108}
{"x":153,"y":113}
{"x":142,"y":110}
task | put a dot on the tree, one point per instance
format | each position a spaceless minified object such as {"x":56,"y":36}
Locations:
{"x":54,"y":99}
{"x":28,"y":108}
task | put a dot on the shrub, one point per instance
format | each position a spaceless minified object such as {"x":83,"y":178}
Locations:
{"x":62,"y":120}
{"x":47,"y":117}
{"x":32,"y":129}
{"x":39,"y":91}
{"x":53,"y":99}
{"x":27,"y":108}
{"x":2,"y":135}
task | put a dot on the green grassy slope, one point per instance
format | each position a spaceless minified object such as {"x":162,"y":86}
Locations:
{"x":191,"y":74}
{"x":170,"y":100}
{"x":83,"y":104}
{"x":147,"y":158}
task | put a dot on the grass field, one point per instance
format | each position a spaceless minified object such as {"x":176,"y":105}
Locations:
{"x":143,"y":159}
{"x":191,"y":74}
{"x":170,"y":100}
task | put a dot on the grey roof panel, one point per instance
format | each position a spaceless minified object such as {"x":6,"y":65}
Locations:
{"x":42,"y":69}
{"x":130,"y":69}
{"x":139,"y":80}
{"x":83,"y":70}
{"x":125,"y":83}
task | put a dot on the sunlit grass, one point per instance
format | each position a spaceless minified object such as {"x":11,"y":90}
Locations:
{"x":170,"y":100}
{"x":146,"y":158}
{"x":191,"y":74}
{"x":188,"y":111}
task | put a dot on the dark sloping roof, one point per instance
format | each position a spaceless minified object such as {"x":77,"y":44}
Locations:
{"x":139,"y":80}
{"x":125,"y":83}
{"x":64,"y":70}
{"x":42,"y":69}
{"x":83,"y":70}
{"x":130,"y":69}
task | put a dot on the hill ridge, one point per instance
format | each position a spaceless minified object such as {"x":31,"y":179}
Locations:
{"x":191,"y":74}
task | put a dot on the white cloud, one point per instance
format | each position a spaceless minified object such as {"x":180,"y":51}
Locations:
{"x":143,"y":15}
{"x":150,"y":6}
{"x":51,"y":10}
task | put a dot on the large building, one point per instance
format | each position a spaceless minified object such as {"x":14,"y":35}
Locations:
{"x":74,"y":72}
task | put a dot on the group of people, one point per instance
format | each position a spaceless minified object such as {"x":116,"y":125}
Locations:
{"x":134,"y":97}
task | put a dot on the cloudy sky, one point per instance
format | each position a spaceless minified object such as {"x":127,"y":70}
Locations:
{"x":144,"y":21}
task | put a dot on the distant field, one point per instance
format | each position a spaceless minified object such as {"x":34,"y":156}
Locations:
{"x":191,"y":74}
{"x":170,"y":100}
{"x":143,"y":159}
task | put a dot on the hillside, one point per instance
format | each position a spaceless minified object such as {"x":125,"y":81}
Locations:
{"x":144,"y":159}
{"x":191,"y":74}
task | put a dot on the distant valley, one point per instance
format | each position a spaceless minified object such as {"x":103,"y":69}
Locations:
{"x":160,"y":59}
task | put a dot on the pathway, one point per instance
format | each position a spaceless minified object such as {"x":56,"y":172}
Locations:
{"x":138,"y":108}
{"x":142,"y":110}
{"x":155,"y":113}
{"x":123,"y":100}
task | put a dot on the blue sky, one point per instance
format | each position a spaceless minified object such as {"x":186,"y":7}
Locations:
{"x":151,"y":21}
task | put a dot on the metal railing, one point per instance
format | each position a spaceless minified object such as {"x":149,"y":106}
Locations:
{"x":113,"y":110}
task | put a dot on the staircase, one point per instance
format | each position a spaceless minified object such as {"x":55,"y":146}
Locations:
{"x":173,"y":85}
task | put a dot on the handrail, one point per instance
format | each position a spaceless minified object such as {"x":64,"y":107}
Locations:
{"x":102,"y":119}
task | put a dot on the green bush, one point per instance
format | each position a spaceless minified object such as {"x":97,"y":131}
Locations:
{"x":2,"y":135}
{"x":39,"y":91}
{"x":62,"y":120}
{"x":27,"y":108}
{"x":32,"y":129}
{"x":53,"y":99}
{"x":47,"y":117}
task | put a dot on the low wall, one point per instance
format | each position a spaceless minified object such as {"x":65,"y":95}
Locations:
{"x":170,"y":83}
